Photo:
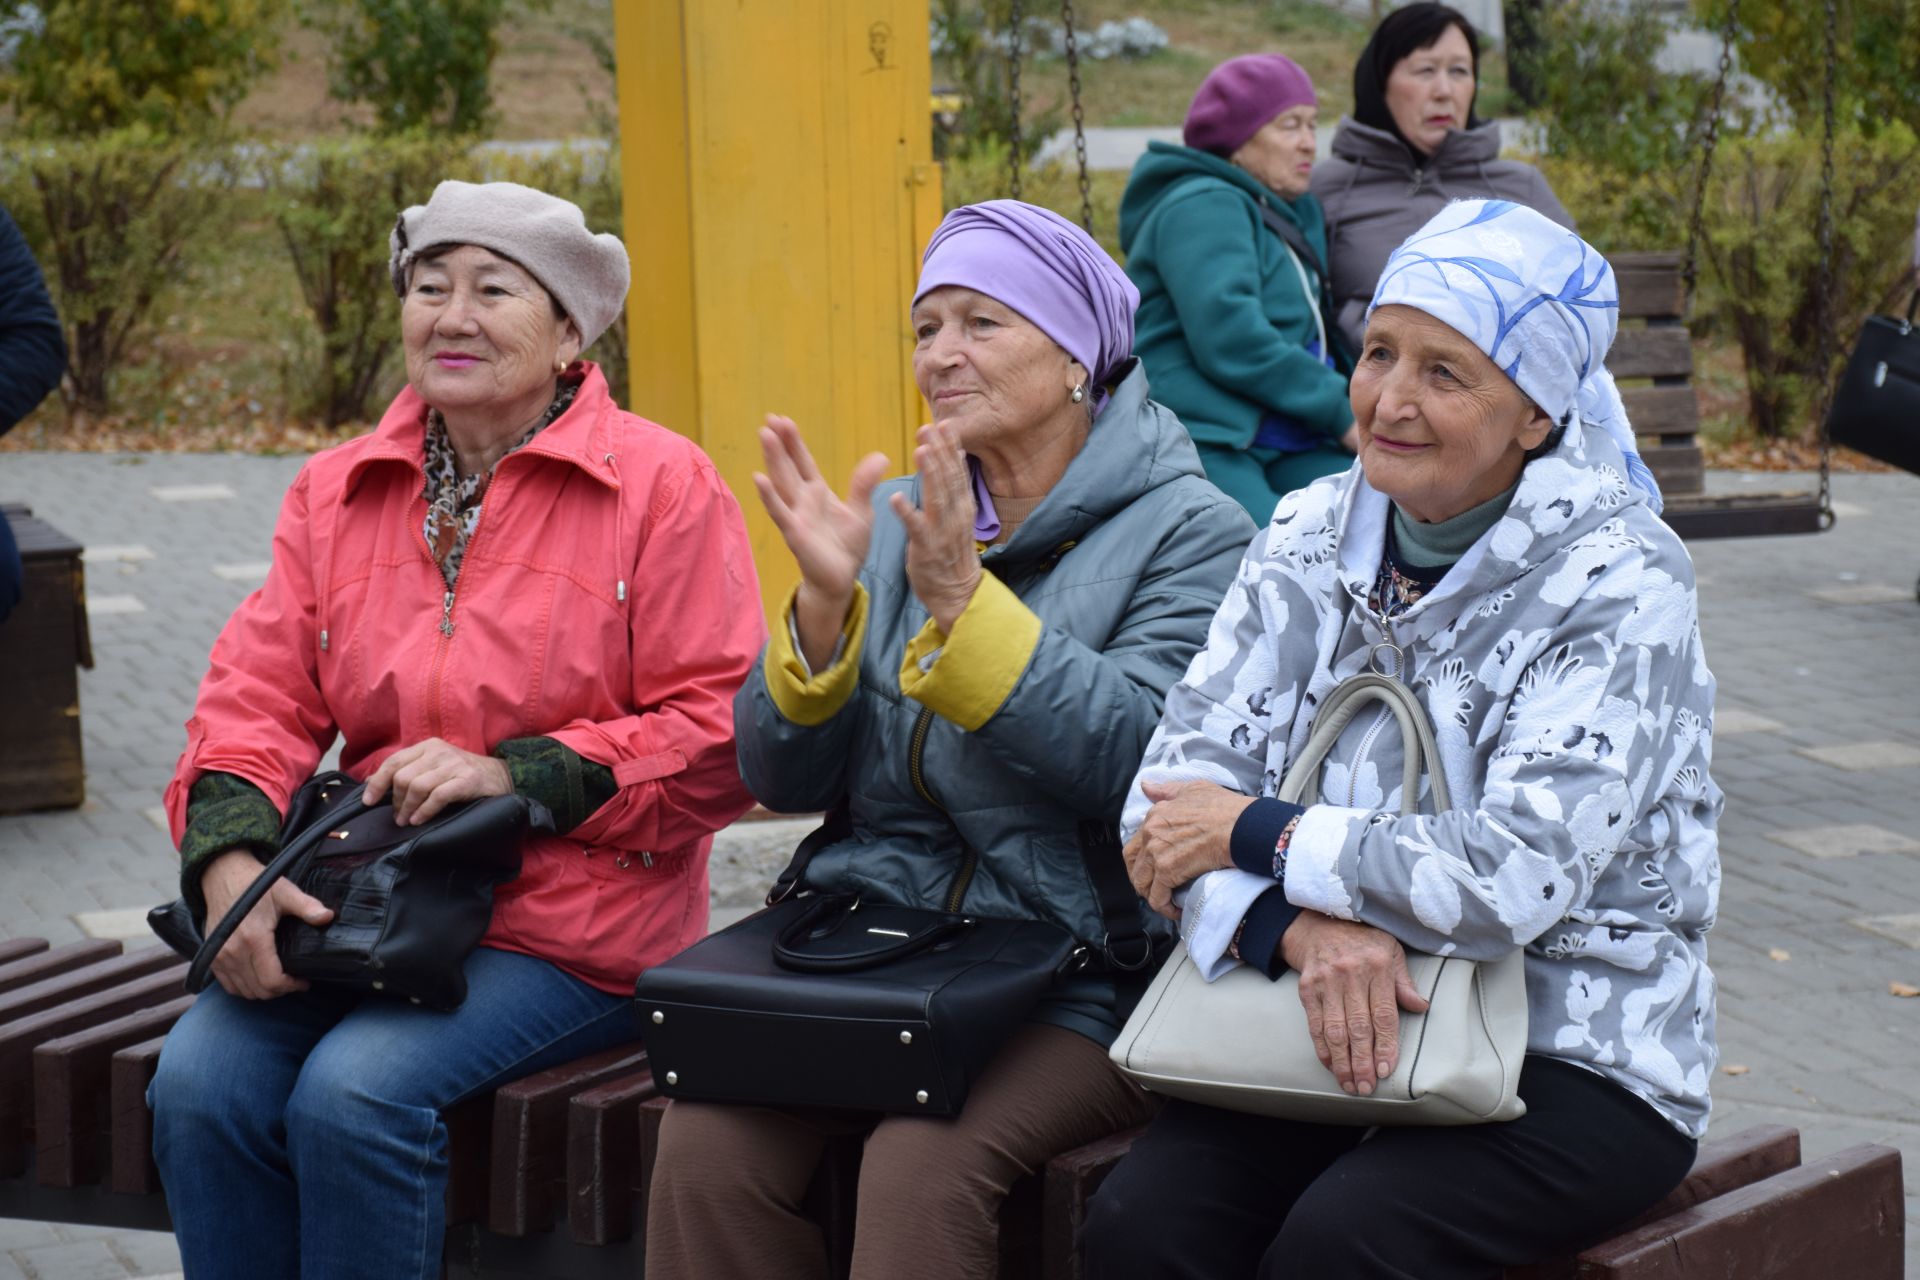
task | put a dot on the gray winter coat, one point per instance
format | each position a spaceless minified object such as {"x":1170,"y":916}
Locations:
{"x":1123,"y":564}
{"x":1375,"y":197}
{"x":1560,"y":662}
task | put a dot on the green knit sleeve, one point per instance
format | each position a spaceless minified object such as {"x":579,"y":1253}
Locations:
{"x":556,"y":775}
{"x":224,"y":811}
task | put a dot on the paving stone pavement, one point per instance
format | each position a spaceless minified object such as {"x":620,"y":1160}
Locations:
{"x":1815,"y":642}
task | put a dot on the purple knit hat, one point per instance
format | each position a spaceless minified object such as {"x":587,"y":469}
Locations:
{"x":1044,"y":267}
{"x":1242,"y":94}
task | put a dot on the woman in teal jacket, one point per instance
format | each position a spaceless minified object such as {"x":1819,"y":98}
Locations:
{"x":1228,"y":251}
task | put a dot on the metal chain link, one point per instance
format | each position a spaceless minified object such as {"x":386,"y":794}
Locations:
{"x":1696,"y":222}
{"x":1079,"y":116}
{"x":1825,"y":318}
{"x":1016,"y":39}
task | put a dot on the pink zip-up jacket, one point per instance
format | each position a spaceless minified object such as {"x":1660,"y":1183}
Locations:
{"x":607,"y":600}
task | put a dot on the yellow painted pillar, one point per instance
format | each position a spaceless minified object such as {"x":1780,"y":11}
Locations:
{"x":779,"y":187}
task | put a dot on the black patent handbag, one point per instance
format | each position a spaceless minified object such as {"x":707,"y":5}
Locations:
{"x":828,"y":1000}
{"x":1876,"y":409}
{"x":409,"y":903}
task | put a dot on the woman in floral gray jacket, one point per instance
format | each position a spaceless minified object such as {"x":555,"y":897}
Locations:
{"x":1499,"y":549}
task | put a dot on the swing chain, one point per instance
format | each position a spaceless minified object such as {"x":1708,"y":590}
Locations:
{"x":1079,"y":115}
{"x":1696,"y":222}
{"x":1016,"y":23}
{"x":1825,"y":318}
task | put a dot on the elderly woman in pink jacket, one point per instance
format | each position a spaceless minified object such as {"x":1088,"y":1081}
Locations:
{"x":511,"y":585}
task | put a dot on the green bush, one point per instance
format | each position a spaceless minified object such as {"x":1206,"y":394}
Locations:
{"x":1761,"y":257}
{"x":420,"y":64}
{"x":971,"y":49}
{"x":335,"y":202}
{"x":110,"y":218}
{"x":1878,"y":56}
{"x":94,"y":66}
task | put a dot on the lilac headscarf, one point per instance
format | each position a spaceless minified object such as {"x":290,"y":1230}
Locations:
{"x":1048,"y":270}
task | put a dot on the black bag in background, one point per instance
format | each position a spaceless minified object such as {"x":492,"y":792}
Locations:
{"x":831,"y":1001}
{"x":1877,"y":408}
{"x":409,"y":903}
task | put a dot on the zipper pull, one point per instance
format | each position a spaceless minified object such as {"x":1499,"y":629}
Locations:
{"x":446,"y":615}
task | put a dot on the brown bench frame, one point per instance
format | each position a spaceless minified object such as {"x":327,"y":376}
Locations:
{"x":550,"y":1173}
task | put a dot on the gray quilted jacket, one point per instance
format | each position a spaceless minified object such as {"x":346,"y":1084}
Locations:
{"x":1560,"y":661}
{"x":1124,"y":563}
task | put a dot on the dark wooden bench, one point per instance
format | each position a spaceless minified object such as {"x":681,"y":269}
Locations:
{"x":1652,"y":359}
{"x":550,"y":1174}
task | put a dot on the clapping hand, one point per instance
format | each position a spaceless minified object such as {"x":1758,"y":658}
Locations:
{"x":943,"y":561}
{"x":828,"y":535}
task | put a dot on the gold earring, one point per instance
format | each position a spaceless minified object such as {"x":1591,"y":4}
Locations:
{"x":559,"y":364}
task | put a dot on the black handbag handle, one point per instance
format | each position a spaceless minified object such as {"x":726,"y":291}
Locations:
{"x":788,"y":956}
{"x":1913,"y":303}
{"x":296,"y":849}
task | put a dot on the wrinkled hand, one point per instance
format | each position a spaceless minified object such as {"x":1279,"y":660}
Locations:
{"x":1188,"y":832}
{"x":1350,"y":439}
{"x":248,"y":966}
{"x":828,"y":536}
{"x":428,"y":776}
{"x":943,"y":563}
{"x":1353,"y":984}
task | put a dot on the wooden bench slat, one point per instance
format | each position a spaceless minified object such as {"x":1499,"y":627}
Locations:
{"x":603,"y":1158}
{"x":530,"y":1138}
{"x":652,"y":1112}
{"x":1661,"y":411}
{"x":1657,"y":351}
{"x":37,"y":967}
{"x":18,"y":1039}
{"x":132,"y":1171}
{"x":18,"y":949}
{"x":63,"y":988}
{"x":1070,"y":1182}
{"x":1720,"y":1167}
{"x":72,"y":1096}
{"x":1841,"y":1216}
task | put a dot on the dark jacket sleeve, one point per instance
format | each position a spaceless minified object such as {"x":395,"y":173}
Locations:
{"x":33,"y":354}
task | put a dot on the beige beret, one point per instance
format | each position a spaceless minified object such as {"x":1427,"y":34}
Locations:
{"x":587,"y":274}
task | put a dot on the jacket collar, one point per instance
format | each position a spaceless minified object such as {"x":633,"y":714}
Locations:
{"x":1135,"y":447}
{"x":1461,"y":148}
{"x":1566,"y":495}
{"x":579,"y":437}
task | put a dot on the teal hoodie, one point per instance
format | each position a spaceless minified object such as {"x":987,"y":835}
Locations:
{"x":1224,"y":326}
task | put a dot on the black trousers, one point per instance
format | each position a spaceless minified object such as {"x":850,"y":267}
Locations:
{"x":1207,"y":1194}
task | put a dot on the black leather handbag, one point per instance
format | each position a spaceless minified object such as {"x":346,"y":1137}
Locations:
{"x":409,"y":903}
{"x":833,"y":1001}
{"x":1877,"y":407}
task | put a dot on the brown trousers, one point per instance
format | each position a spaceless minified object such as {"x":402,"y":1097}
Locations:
{"x":729,"y":1181}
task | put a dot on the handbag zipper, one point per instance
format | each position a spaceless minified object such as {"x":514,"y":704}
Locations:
{"x":917,"y":745}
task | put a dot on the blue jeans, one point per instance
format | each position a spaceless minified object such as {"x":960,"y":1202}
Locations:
{"x":301,"y":1137}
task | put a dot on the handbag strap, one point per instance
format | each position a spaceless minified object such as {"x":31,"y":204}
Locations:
{"x":292,"y":852}
{"x":790,"y":956}
{"x":1126,"y":946}
{"x":1302,"y":783}
{"x":1295,"y":238}
{"x":1913,"y":304}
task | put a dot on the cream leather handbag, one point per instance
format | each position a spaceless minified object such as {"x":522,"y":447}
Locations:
{"x":1240,"y":1042}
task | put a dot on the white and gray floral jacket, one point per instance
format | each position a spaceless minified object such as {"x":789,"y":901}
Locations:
{"x":1560,"y":660}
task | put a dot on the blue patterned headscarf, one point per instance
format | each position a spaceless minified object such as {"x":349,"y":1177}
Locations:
{"x":1540,"y":301}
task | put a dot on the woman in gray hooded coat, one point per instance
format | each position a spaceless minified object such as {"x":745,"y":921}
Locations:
{"x":1499,"y":551}
{"x":1411,"y":145}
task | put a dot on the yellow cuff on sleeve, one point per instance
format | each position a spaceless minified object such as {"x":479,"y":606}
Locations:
{"x":967,"y":677}
{"x":805,"y":699}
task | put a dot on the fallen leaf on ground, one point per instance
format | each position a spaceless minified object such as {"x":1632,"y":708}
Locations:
{"x":1904,"y":989}
{"x":1775,"y":953}
{"x":1734,"y":1069}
